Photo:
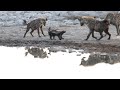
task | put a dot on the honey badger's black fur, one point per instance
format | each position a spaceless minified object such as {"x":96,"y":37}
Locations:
{"x":53,"y":33}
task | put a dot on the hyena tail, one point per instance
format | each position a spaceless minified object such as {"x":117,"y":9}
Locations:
{"x":24,"y":22}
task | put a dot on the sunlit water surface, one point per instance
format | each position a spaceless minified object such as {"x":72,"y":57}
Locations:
{"x":37,"y":63}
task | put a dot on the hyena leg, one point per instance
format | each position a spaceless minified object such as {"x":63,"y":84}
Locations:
{"x":106,"y":31}
{"x":117,"y":28}
{"x":93,"y":35}
{"x":31,"y":33}
{"x":38,"y":32}
{"x":88,"y":35}
{"x":42,"y":30}
{"x":25,"y":33}
{"x":101,"y":34}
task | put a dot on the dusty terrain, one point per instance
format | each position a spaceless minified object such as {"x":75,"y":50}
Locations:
{"x":73,"y":38}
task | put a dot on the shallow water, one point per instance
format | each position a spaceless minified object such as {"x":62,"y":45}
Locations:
{"x":36,"y":62}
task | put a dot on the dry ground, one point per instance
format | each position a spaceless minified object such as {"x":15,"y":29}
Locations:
{"x":73,"y":38}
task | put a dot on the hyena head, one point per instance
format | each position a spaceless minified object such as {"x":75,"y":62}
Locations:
{"x":107,"y":22}
{"x":110,"y":17}
{"x":43,"y":21}
{"x":82,"y":21}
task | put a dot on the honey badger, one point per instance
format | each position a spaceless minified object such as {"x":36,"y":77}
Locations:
{"x":53,"y":33}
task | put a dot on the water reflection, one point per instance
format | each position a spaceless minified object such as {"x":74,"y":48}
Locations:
{"x":36,"y":52}
{"x":86,"y":59}
{"x":14,"y":63}
{"x":96,"y":58}
{"x":39,"y":52}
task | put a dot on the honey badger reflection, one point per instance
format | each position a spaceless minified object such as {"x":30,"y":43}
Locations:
{"x":53,"y":33}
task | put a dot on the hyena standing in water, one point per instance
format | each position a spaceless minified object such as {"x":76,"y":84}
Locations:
{"x":35,"y":25}
{"x":114,"y":20}
{"x":96,"y":25}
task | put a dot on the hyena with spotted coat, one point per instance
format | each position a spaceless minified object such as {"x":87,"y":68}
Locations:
{"x":96,"y":25}
{"x":35,"y":25}
{"x":114,"y":20}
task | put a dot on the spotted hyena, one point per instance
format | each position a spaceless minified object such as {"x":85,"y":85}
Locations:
{"x":35,"y":25}
{"x":96,"y":25}
{"x":114,"y":20}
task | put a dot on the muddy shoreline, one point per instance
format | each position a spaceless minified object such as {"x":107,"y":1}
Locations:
{"x":90,"y":47}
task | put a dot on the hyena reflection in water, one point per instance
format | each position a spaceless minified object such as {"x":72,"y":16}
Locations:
{"x":36,"y":52}
{"x":96,"y":25}
{"x":35,"y":25}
